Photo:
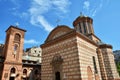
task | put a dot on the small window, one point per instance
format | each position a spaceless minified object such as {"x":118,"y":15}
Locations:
{"x":95,"y":66}
{"x":38,"y":55}
{"x":35,"y":51}
{"x":84,"y":27}
{"x":80,"y":29}
{"x":15,"y":48}
{"x":12,"y":70}
{"x":24,"y":72}
{"x":17,"y":37}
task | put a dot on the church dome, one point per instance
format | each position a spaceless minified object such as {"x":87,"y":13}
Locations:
{"x":82,"y":18}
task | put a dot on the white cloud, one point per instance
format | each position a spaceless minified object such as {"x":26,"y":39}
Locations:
{"x":44,"y":23}
{"x":98,"y":7}
{"x":38,"y":8}
{"x":61,"y":5}
{"x":86,"y":5}
{"x":94,"y":13}
{"x":41,"y":7}
{"x":31,"y":41}
{"x":91,"y":7}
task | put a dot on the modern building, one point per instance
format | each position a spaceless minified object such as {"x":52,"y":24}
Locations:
{"x":77,"y":54}
{"x":15,"y":64}
{"x":33,"y":54}
{"x":31,"y":60}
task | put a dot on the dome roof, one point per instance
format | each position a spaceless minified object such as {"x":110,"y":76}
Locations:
{"x":82,"y":18}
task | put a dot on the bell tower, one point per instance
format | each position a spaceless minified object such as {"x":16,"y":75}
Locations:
{"x":13,"y":51}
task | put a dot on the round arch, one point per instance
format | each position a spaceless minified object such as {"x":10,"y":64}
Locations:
{"x":17,"y":37}
{"x":25,"y":72}
{"x":13,"y":67}
{"x":13,"y":70}
{"x":18,"y":33}
{"x":12,"y":73}
{"x":24,"y":76}
{"x":65,"y":29}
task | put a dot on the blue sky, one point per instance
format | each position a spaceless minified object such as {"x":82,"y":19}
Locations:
{"x":39,"y":17}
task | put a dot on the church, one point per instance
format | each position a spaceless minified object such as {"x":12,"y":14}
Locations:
{"x":67,"y":54}
{"x":77,"y":54}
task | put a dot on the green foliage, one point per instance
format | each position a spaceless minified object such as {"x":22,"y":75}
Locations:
{"x":118,"y":67}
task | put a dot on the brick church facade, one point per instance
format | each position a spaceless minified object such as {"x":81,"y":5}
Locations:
{"x":77,"y":54}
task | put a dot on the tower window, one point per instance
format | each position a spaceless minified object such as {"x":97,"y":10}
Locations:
{"x":95,"y":66}
{"x":80,"y":27}
{"x":17,"y":37}
{"x":15,"y":49}
{"x":89,"y":27}
{"x":84,"y":27}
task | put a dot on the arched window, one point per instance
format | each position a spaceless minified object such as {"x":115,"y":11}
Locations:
{"x":12,"y":74}
{"x":24,"y":72}
{"x":17,"y":37}
{"x":12,"y":70}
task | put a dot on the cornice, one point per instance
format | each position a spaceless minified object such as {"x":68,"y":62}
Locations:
{"x":105,"y":46}
{"x":66,"y":36}
{"x":15,"y":28}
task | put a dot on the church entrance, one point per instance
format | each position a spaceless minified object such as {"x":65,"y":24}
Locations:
{"x":12,"y":78}
{"x":57,"y":76}
{"x":57,"y":67}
